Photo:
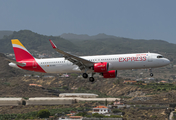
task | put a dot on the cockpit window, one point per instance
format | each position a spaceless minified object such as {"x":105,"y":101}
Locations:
{"x":159,"y":56}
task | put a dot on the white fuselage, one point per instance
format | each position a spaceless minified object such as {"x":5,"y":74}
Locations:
{"x":117,"y":62}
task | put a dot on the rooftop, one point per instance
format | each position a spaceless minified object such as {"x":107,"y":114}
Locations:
{"x":100,"y":107}
{"x":74,"y":117}
{"x":77,"y":94}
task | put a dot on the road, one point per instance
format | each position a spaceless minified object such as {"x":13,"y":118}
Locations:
{"x":171,"y":115}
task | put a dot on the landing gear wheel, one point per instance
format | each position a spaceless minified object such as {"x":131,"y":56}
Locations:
{"x":91,"y":79}
{"x":151,"y":74}
{"x":85,"y":75}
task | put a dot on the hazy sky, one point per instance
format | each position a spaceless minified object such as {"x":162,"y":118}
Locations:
{"x":139,"y":19}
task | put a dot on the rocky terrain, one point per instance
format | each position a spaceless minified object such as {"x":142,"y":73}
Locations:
{"x":13,"y":83}
{"x":151,"y":114}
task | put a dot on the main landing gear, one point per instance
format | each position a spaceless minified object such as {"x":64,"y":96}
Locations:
{"x":85,"y":75}
{"x":91,"y":79}
{"x":151,"y":74}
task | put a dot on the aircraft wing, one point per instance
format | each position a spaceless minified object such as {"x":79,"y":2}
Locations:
{"x":14,"y":61}
{"x":81,"y":62}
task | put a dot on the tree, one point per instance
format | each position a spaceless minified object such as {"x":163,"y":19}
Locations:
{"x":44,"y":113}
{"x":172,"y":76}
{"x":116,"y":110}
{"x":81,"y":114}
{"x":115,"y":116}
{"x":106,"y":102}
{"x":97,"y":115}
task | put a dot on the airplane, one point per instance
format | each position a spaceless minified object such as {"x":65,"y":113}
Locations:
{"x":105,"y":65}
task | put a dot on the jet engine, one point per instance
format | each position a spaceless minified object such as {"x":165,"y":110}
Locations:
{"x":110,"y":74}
{"x":101,"y":67}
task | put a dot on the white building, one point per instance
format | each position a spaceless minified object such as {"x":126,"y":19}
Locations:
{"x":71,"y":118}
{"x":82,"y":95}
{"x":101,"y":110}
{"x":97,"y":99}
{"x":10,"y":101}
{"x":49,"y":101}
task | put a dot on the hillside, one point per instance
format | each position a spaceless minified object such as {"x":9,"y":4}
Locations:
{"x":7,"y":71}
{"x":101,"y":44}
{"x":5,"y":33}
{"x":13,"y":83}
{"x":35,"y":42}
{"x":126,"y":45}
{"x":75,"y":37}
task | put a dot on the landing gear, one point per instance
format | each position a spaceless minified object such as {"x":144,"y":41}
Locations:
{"x":151,"y":74}
{"x":91,"y":79}
{"x":85,"y":75}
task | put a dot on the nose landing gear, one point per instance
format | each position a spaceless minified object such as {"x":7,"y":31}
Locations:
{"x":151,"y":74}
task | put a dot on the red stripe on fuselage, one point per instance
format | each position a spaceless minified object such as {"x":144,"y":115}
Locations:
{"x":25,"y":57}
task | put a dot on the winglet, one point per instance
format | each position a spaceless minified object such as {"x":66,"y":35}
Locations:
{"x":52,"y":44}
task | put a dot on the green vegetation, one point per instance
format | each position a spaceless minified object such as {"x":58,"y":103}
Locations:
{"x":19,"y":116}
{"x":5,"y":33}
{"x":26,"y":98}
{"x":116,"y":110}
{"x":84,"y":114}
{"x":36,"y":114}
{"x":35,"y":42}
{"x":43,"y":113}
{"x":154,"y":116}
{"x":159,"y":86}
{"x":96,"y":115}
{"x":6,"y":84}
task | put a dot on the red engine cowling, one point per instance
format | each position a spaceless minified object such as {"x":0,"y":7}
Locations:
{"x":101,"y":67}
{"x":110,"y":74}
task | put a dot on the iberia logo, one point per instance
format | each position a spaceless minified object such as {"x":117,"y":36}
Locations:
{"x":101,"y":66}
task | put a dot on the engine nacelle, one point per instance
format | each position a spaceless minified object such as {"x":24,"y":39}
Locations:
{"x":110,"y":74}
{"x":101,"y":67}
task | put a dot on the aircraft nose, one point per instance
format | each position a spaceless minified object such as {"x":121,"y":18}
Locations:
{"x":167,"y":61}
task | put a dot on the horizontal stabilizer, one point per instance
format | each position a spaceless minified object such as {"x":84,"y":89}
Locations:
{"x":14,"y":61}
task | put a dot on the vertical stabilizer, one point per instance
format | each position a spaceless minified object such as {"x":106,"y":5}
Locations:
{"x":23,"y":57}
{"x":21,"y":53}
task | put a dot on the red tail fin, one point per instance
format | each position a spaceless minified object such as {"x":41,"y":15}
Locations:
{"x":21,"y":53}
